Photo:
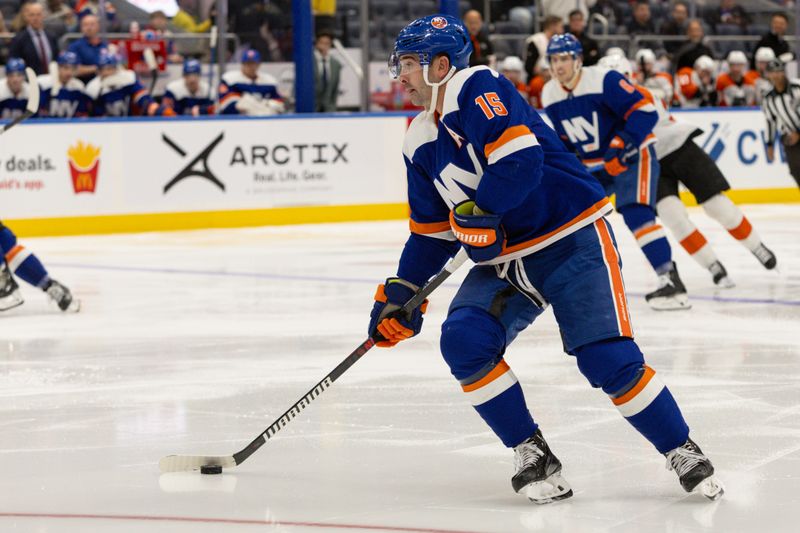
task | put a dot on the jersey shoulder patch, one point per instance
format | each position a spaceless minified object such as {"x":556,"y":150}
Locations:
{"x":552,"y":92}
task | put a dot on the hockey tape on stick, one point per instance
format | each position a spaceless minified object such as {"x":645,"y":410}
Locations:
{"x":184,"y":463}
{"x":33,"y":101}
{"x":152,"y":64}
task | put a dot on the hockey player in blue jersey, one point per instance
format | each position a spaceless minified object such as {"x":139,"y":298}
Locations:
{"x":16,"y":259}
{"x":63,"y":95}
{"x":247,"y":91}
{"x":13,"y":90}
{"x":487,"y":174}
{"x":189,"y":95}
{"x":602,"y":118}
{"x":117,"y":92}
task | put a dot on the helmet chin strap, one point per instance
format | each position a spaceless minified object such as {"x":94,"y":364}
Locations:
{"x":435,"y":86}
{"x":574,"y":79}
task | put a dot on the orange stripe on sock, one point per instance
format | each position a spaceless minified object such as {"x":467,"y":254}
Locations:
{"x":742,"y":231}
{"x":13,"y":252}
{"x":694,"y":242}
{"x":501,"y":368}
{"x":644,"y":231}
{"x":617,"y":286}
{"x":628,"y":396}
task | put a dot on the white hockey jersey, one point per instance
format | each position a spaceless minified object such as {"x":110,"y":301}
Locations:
{"x":62,"y":101}
{"x":670,"y":133}
{"x":12,"y":105}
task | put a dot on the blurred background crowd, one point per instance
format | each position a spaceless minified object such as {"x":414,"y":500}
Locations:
{"x":692,"y":53}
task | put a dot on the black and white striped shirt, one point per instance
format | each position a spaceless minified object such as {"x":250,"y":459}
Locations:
{"x":781,"y":110}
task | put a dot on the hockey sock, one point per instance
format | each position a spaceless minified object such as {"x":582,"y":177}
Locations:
{"x":641,"y":220}
{"x":673,"y":214}
{"x":21,"y":261}
{"x":472,"y":344}
{"x":617,"y":366}
{"x":721,"y":209}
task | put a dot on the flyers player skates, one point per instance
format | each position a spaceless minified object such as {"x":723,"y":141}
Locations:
{"x":487,"y":174}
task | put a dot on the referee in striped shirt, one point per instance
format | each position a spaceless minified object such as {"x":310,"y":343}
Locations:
{"x":781,"y":106}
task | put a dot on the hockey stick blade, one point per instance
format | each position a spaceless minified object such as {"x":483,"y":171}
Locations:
{"x":33,"y":100}
{"x":187,"y":463}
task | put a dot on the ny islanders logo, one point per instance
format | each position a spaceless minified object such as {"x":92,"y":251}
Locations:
{"x":439,"y":22}
{"x":84,"y":162}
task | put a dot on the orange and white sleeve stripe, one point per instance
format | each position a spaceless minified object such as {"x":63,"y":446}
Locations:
{"x":492,"y":385}
{"x":649,"y":233}
{"x":16,"y":256}
{"x":642,"y":394}
{"x":437,"y":230}
{"x":512,"y":140}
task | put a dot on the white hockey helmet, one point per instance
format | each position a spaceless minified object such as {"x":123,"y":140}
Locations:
{"x":645,"y":55}
{"x":765,"y":54}
{"x":618,"y":63}
{"x":615,"y":51}
{"x":704,"y":63}
{"x":513,"y":63}
{"x":737,"y":57}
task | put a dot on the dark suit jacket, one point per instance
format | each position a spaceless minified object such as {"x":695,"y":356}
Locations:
{"x":22,"y":46}
{"x":325,"y":100}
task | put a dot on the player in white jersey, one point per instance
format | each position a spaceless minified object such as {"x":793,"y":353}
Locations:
{"x":249,"y":92}
{"x":62,"y":94}
{"x":13,"y":90}
{"x":683,"y":161}
{"x":759,"y":76}
{"x":658,"y":83}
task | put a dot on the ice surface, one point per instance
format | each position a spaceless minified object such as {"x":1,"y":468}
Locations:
{"x":194,"y":342}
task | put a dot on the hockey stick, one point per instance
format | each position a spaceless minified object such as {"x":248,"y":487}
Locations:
{"x":152,"y":64}
{"x":33,"y":101}
{"x":184,"y":463}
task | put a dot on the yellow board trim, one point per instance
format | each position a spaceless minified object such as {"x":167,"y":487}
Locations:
{"x":89,"y":225}
{"x":754,"y":196}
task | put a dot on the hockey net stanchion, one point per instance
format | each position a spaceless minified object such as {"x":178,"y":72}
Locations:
{"x":33,"y":101}
{"x":185,"y":463}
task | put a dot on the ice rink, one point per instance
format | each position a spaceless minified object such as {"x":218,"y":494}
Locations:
{"x":194,"y":342}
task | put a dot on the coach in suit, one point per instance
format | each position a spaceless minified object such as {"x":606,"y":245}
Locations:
{"x":326,"y":74}
{"x":32,"y":43}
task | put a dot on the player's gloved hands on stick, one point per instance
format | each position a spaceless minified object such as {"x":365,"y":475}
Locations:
{"x":622,"y":153}
{"x":386,"y":318}
{"x":480,"y":233}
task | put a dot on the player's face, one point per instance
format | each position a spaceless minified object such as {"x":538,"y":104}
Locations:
{"x":65,"y":73}
{"x":107,"y":71}
{"x":563,"y":66}
{"x":410,"y":77}
{"x":250,"y":69}
{"x":192,"y":82}
{"x":776,"y":77}
{"x":736,"y":71}
{"x":512,"y":75}
{"x":15,"y":81}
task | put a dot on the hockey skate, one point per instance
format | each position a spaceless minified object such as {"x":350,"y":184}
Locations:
{"x":694,"y":470}
{"x":538,"y":472}
{"x":9,"y":290}
{"x":62,"y":297}
{"x":720,"y":276}
{"x":671,"y":293}
{"x":765,"y":257}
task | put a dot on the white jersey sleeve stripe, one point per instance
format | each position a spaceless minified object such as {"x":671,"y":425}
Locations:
{"x":513,"y":146}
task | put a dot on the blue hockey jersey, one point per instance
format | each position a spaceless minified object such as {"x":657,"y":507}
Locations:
{"x":490,"y":146}
{"x":602,"y":104}
{"x":179,"y":98}
{"x":234,"y":85}
{"x":12,"y":105}
{"x":62,"y":101}
{"x":118,"y":95}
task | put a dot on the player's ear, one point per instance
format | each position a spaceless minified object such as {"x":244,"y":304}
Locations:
{"x":442,"y":65}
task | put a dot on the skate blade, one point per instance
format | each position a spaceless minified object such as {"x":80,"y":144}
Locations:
{"x":11,"y":301}
{"x":711,"y":488}
{"x":552,"y":489}
{"x":672,"y":303}
{"x":725,"y":283}
{"x":74,"y":307}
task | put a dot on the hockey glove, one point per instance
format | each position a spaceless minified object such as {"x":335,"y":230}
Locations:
{"x":386,"y":318}
{"x":622,"y":153}
{"x":480,"y":233}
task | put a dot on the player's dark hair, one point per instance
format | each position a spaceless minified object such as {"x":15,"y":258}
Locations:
{"x":782,"y":15}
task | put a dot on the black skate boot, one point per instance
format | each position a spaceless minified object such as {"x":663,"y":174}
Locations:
{"x":9,"y":290}
{"x":694,"y":470}
{"x":62,"y":297}
{"x":720,"y":276}
{"x":765,"y":257}
{"x":671,"y":293}
{"x":538,"y":472}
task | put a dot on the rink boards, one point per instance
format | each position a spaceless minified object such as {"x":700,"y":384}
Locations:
{"x":106,"y":176}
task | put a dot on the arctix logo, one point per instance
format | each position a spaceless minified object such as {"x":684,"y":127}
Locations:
{"x":190,"y":169}
{"x":286,"y":154}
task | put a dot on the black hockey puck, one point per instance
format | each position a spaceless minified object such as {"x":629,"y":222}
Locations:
{"x":211,"y":469}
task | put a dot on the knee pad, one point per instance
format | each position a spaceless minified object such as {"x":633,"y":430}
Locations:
{"x":7,"y":239}
{"x":612,"y":365}
{"x":472,"y":341}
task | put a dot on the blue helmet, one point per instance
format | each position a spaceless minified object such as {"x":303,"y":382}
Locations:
{"x":251,"y":56}
{"x":67,"y":58}
{"x":565,"y":43}
{"x":107,"y":59}
{"x":430,"y":36}
{"x":191,"y":66}
{"x":15,"y":64}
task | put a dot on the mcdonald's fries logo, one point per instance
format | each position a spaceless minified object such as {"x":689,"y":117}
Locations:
{"x":84,"y":162}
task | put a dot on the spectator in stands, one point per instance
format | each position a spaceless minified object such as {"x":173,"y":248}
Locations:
{"x":696,"y":85}
{"x":577,"y":27}
{"x":13,"y":90}
{"x":159,"y":25}
{"x":190,"y":94}
{"x":482,"y":50}
{"x":536,"y":44}
{"x":58,"y":18}
{"x":774,"y":38}
{"x":733,"y":87}
{"x":326,"y":75}
{"x":562,"y":8}
{"x":641,"y":23}
{"x":537,"y":84}
{"x":92,"y":7}
{"x":513,"y":69}
{"x":694,"y":47}
{"x":729,"y":13}
{"x":247,"y":91}
{"x":610,"y":9}
{"x":252,"y":23}
{"x":647,"y":75}
{"x":33,"y":44}
{"x":187,"y":21}
{"x":675,"y":25}
{"x":759,"y":76}
{"x":88,"y":48}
